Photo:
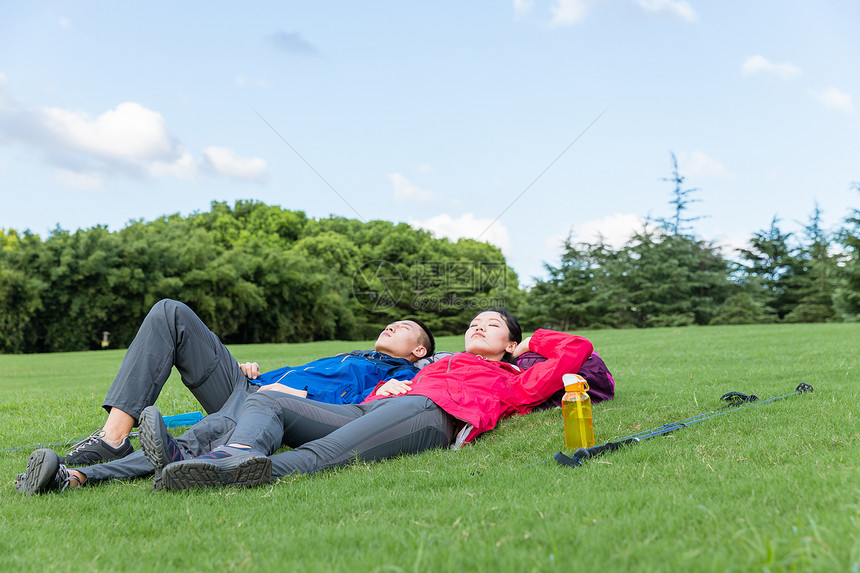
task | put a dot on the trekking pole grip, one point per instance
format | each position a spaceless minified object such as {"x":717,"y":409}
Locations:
{"x":595,"y":451}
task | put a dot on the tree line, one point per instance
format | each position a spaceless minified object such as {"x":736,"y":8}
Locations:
{"x":253,"y":273}
{"x":261,"y":273}
{"x":667,"y":276}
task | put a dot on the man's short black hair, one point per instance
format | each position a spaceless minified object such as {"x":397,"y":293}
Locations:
{"x":427,"y":339}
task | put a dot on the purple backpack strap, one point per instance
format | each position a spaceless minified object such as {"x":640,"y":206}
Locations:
{"x":601,"y":385}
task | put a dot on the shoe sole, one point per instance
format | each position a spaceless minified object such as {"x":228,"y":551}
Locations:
{"x":192,"y":474}
{"x":149,"y":435}
{"x":42,"y":466}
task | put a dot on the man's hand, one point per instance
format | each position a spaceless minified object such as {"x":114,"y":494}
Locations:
{"x":251,"y":370}
{"x":394,"y":387}
{"x":277,"y":387}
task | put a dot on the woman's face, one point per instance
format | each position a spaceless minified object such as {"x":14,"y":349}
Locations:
{"x":488,"y":336}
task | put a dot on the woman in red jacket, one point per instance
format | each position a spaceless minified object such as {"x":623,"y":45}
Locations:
{"x":451,"y":401}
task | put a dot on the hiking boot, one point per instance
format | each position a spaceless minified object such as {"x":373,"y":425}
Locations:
{"x":221,"y":467}
{"x":94,"y":450}
{"x":159,"y":447}
{"x":44,"y":473}
{"x":19,"y":482}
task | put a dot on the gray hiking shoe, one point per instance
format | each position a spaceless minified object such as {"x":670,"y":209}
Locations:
{"x":221,"y":467}
{"x":19,"y":482}
{"x":94,"y":450}
{"x":159,"y":447}
{"x":44,"y":473}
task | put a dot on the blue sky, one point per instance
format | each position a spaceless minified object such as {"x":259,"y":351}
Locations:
{"x":445,"y":115}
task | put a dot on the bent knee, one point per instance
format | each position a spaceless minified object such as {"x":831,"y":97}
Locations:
{"x":167,"y":305}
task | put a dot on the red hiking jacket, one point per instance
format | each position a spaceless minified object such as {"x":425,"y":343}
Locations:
{"x":481,"y":392}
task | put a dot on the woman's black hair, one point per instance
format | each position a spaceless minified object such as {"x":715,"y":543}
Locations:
{"x":515,"y":331}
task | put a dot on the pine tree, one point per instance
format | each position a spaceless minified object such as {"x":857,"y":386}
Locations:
{"x":767,"y":268}
{"x":679,"y":223}
{"x":814,"y":270}
{"x":565,"y":301}
{"x":846,"y":295}
{"x":676,"y":278}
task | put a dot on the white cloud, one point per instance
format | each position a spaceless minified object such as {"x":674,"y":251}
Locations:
{"x":406,"y":192}
{"x":679,"y":8}
{"x":835,"y":99}
{"x":554,"y":247}
{"x":185,"y":168}
{"x":568,"y":12}
{"x":615,"y":229}
{"x":129,"y":131}
{"x":226,"y":162}
{"x":128,"y":140}
{"x":728,"y":243}
{"x":759,"y":64}
{"x":698,"y":164}
{"x":81,"y":181}
{"x":523,"y":6}
{"x":468,"y":226}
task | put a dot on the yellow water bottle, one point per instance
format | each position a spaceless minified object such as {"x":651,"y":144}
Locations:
{"x":576,"y":413}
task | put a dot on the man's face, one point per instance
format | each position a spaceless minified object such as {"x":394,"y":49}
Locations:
{"x":400,"y":339}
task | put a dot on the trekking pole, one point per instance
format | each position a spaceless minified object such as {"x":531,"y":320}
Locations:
{"x":741,"y":401}
{"x":734,"y":400}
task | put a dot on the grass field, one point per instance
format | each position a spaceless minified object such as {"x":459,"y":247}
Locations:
{"x":774,"y":487}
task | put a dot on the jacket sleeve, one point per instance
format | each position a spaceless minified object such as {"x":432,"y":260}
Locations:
{"x":565,"y":353}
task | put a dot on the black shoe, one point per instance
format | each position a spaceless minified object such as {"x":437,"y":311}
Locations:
{"x":94,"y":450}
{"x":44,"y":473}
{"x":157,"y":444}
{"x":221,"y":467}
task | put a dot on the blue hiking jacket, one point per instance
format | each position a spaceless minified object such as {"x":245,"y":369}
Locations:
{"x":342,"y":379}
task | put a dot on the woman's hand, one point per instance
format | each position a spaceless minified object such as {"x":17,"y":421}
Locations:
{"x":394,"y":387}
{"x":251,"y":370}
{"x":522,"y":347}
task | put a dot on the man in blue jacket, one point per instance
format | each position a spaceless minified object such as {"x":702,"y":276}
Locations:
{"x":173,"y":335}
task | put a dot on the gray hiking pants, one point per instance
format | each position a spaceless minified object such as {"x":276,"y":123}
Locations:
{"x":212,"y":431}
{"x":327,"y":435}
{"x":172,"y":335}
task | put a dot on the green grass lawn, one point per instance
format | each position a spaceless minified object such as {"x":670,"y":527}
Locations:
{"x":774,"y":487}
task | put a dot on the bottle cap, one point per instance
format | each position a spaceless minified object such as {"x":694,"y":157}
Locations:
{"x":574,"y":383}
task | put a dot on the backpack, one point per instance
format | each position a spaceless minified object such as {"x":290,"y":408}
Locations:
{"x":601,"y":385}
